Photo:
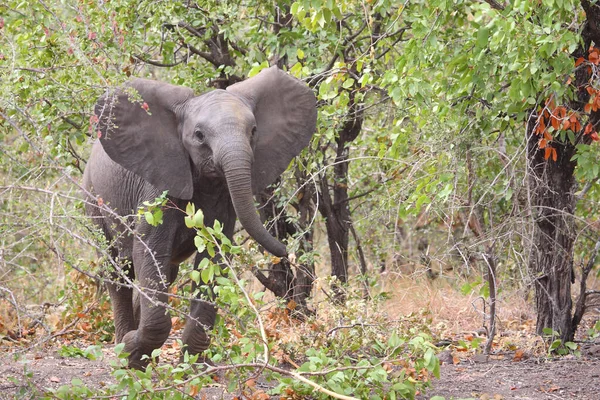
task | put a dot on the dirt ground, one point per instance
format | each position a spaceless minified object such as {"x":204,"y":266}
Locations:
{"x":500,"y":377}
{"x":476,"y":377}
{"x":519,"y":367}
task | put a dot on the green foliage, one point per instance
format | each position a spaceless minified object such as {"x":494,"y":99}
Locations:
{"x":557,"y":346}
{"x":367,"y":377}
{"x":92,"y":352}
{"x":362,"y":361}
{"x":152,"y":210}
{"x":473,"y":344}
{"x":594,"y":331}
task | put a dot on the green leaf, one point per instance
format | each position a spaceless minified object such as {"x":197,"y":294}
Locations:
{"x":190,"y":209}
{"x":348,"y":83}
{"x":156,"y":353}
{"x":571,"y":345}
{"x":555,"y":344}
{"x":199,"y":243}
{"x":158,"y":217}
{"x":149,"y":218}
{"x":203,"y":263}
{"x":195,"y":276}
{"x":549,"y":332}
{"x":199,"y":219}
{"x":208,"y":274}
{"x":210,"y":248}
{"x":394,"y":340}
{"x":483,"y":36}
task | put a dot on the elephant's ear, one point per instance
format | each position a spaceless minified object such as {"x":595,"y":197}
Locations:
{"x":286,"y":116}
{"x":142,"y":136}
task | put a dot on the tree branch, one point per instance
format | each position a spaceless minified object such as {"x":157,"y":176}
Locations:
{"x":158,"y":64}
{"x":583,"y":293}
{"x":495,"y":5}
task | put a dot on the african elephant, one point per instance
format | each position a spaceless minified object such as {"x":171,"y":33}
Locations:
{"x":215,"y":150}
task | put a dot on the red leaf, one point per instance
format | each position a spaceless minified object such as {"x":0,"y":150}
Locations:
{"x":546,"y":114}
{"x":579,"y":61}
{"x":566,"y":124}
{"x":587,"y":108}
{"x":554,"y":154}
{"x":588,"y":129}
{"x":594,"y":58}
{"x":145,"y":106}
{"x":595,"y":137}
{"x":541,"y":126}
{"x":518,"y":355}
{"x":547,"y":152}
{"x":543,"y":143}
{"x":554,"y":122}
{"x":99,"y":134}
{"x":92,"y":35}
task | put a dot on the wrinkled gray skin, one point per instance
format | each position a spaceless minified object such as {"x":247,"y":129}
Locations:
{"x":214,"y":150}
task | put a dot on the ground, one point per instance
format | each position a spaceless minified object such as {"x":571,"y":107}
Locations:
{"x":498,"y":378}
{"x":502,"y":376}
{"x":519,"y":367}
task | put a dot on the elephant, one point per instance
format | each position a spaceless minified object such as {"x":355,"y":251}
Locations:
{"x":215,"y":150}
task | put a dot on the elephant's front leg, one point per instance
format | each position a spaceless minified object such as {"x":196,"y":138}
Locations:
{"x":121,"y":297}
{"x":203,"y":311}
{"x":202,"y":317}
{"x":154,"y":321}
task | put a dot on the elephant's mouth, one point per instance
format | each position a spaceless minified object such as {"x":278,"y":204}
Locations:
{"x":208,"y":169}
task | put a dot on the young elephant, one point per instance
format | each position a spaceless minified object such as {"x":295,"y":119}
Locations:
{"x":214,"y":150}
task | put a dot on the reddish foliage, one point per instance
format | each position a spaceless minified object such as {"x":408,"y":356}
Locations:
{"x":550,"y":152}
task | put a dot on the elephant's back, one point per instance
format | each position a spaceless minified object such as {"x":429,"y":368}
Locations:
{"x":118,"y":188}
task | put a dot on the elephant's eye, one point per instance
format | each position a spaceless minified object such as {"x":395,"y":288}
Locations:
{"x":253,"y":133}
{"x":199,"y":135}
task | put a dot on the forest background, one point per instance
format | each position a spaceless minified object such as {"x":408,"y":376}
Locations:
{"x":455,"y":147}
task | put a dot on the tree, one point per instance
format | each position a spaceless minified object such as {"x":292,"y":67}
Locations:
{"x":495,"y":71}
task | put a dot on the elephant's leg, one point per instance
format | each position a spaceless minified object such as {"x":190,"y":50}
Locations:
{"x":154,"y":322}
{"x":121,"y":298}
{"x":201,"y":319}
{"x":173,"y":271}
{"x":120,"y":294}
{"x":203,"y":311}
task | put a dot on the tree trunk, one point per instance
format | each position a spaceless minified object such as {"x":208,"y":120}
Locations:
{"x":280,"y":277}
{"x":552,"y":186}
{"x":551,"y":262}
{"x":335,"y":209}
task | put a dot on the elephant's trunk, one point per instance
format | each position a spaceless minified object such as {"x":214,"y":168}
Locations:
{"x":237,"y":167}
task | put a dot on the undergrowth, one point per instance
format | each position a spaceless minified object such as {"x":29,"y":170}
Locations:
{"x":347,"y":351}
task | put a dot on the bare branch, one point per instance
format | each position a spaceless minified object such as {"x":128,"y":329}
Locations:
{"x":158,"y":64}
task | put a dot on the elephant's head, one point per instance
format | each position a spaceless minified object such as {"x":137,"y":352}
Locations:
{"x":247,"y":134}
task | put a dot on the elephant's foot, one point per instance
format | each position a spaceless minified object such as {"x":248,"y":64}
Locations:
{"x":136,"y":352}
{"x":140,"y":343}
{"x":202,"y":318}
